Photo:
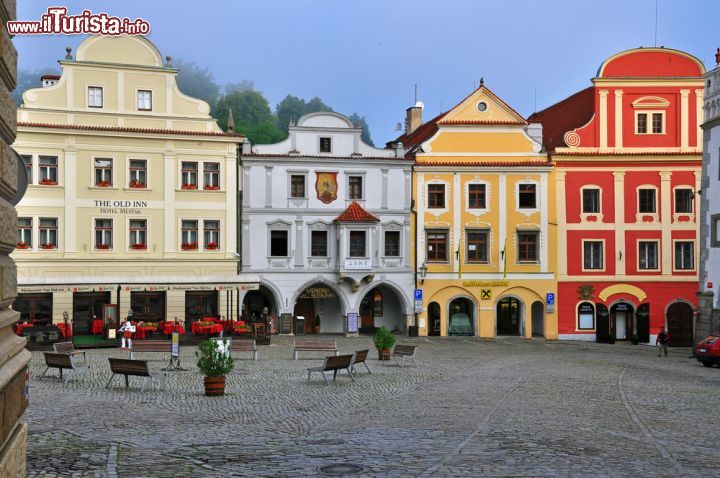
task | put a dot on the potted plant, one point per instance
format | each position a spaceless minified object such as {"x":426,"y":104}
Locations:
{"x":212,"y":246}
{"x":214,"y":361}
{"x":135,"y":184}
{"x":611,"y":338}
{"x":208,"y":187}
{"x":189,"y":246}
{"x":635,"y":339}
{"x":139,"y":247}
{"x":48,"y":182}
{"x":316,"y":324}
{"x":384,"y":341}
{"x":22,"y":245}
{"x":189,"y":186}
{"x":47,"y":245}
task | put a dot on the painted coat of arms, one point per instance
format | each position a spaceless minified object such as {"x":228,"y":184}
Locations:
{"x":326,"y":186}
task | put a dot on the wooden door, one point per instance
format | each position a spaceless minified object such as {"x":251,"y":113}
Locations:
{"x":306,"y":308}
{"x":680,"y":325}
{"x":367,"y":320}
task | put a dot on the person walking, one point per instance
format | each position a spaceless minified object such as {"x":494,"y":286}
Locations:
{"x":662,"y":341}
{"x":126,"y":332}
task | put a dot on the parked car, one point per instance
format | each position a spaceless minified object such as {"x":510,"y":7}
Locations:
{"x":707,"y":351}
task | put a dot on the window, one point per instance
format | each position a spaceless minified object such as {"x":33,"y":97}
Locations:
{"x":297,"y":186}
{"x":648,"y":255}
{"x":592,"y":255}
{"x":642,"y":123}
{"x":48,"y":170}
{"x":27,"y":159}
{"x":357,"y":244}
{"x":436,"y":196}
{"x":646,"y":199}
{"x":34,"y":309}
{"x":103,"y":233}
{"x":586,"y":316}
{"x":279,"y":243}
{"x":211,"y":230}
{"x":527,"y":246}
{"x":144,"y":100}
{"x":392,"y":243}
{"x":318,"y":244}
{"x":325,"y":145}
{"x":476,"y":196}
{"x":48,"y":233}
{"x":95,"y":97}
{"x":526,"y":196}
{"x":103,"y":172}
{"x":189,"y":174}
{"x":437,"y":246}
{"x":189,"y":235}
{"x":211,"y":176}
{"x":477,"y":246}
{"x":657,"y":123}
{"x":591,"y":200}
{"x":138,"y":174}
{"x":24,"y":239}
{"x":715,"y":230}
{"x":684,"y":201}
{"x":355,"y":187}
{"x":684,"y":255}
{"x":138,"y":234}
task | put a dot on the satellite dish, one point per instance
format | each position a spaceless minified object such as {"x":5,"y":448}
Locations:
{"x":22,"y":179}
{"x":419,"y":104}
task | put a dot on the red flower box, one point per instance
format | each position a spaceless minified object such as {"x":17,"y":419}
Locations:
{"x":211,"y":188}
{"x":189,"y":186}
{"x":211,"y":246}
{"x":102,"y":246}
{"x":139,"y":247}
{"x":22,"y":245}
{"x":48,"y":182}
{"x":189,"y":246}
{"x":137,"y":184}
{"x":103,"y":184}
{"x":47,"y":245}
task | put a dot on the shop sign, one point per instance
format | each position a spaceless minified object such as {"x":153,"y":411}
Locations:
{"x":621,"y":307}
{"x":201,"y":287}
{"x":586,"y":308}
{"x":66,"y":288}
{"x":249,"y":287}
{"x":486,"y":294}
{"x":352,"y":323}
{"x":286,"y":323}
{"x":120,"y":207}
{"x":318,"y":293}
{"x":709,"y":285}
{"x":144,"y":288}
{"x":357,"y":264}
{"x":479,"y":283}
{"x":175,"y":346}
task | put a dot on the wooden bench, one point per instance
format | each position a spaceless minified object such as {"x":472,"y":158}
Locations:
{"x":62,"y":362}
{"x":403,"y":352}
{"x":150,"y":346}
{"x":313,"y":346}
{"x":69,"y":349}
{"x":333,"y":364}
{"x":136,"y":368}
{"x":244,"y":345}
{"x":360,"y":357}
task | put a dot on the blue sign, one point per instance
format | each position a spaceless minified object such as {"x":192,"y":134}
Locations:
{"x":418,"y":294}
{"x":550,"y":298}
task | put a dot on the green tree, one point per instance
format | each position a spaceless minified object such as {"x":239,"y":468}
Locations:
{"x":292,"y":107}
{"x":197,"y":82}
{"x":360,"y":120}
{"x":27,"y":79}
{"x":252,"y":116}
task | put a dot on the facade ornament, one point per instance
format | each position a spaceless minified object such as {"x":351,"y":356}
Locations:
{"x":68,"y":53}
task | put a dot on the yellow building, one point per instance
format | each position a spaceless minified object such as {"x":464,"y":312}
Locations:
{"x":132,"y":202}
{"x":484,"y":230}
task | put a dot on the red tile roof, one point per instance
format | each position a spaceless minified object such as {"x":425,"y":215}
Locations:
{"x":564,"y":116}
{"x":356,"y":213}
{"x":456,"y":164}
{"x":128,"y":130}
{"x":423,"y":132}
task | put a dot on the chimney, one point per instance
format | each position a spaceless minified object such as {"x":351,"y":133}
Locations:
{"x":230,"y":122}
{"x":49,"y":80}
{"x":413,"y":120}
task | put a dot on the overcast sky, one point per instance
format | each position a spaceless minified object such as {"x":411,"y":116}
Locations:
{"x":366,"y":55}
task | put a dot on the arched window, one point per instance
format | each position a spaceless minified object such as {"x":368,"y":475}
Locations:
{"x":586,"y":316}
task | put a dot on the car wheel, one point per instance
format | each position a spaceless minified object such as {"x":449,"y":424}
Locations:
{"x":707,"y":363}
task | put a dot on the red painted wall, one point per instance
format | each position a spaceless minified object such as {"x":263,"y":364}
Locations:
{"x":633,"y":179}
{"x":575,"y":252}
{"x":574,"y":180}
{"x":631,"y":251}
{"x":651,"y":63}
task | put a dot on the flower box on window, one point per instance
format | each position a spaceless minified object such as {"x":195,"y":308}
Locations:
{"x":189,"y":186}
{"x":211,"y":188}
{"x":139,"y":247}
{"x":189,"y":246}
{"x":135,"y":184}
{"x":103,"y":184}
{"x":48,"y":182}
{"x":211,"y":245}
{"x":47,"y":245}
{"x":103,"y":246}
{"x":22,"y":245}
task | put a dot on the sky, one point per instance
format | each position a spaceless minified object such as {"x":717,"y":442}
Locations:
{"x":365,"y":56}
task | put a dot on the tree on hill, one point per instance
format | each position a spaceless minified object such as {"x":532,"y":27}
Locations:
{"x":252,"y":116}
{"x":197,"y":82}
{"x":292,"y":107}
{"x":360,"y":120}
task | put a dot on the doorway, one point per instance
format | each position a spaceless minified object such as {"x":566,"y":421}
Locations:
{"x":434,"y":319}
{"x":642,"y":317}
{"x":680,"y":324}
{"x":198,"y":305}
{"x":537,"y":312}
{"x":509,"y":314}
{"x":306,"y":308}
{"x":621,"y":320}
{"x":462,"y":317}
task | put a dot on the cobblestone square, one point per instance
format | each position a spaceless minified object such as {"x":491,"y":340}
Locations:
{"x":509,"y":407}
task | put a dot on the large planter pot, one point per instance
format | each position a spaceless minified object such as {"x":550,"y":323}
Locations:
{"x":383,"y":354}
{"x":316,"y":329}
{"x":214,"y":386}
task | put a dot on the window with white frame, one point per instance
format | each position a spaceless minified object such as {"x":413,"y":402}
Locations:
{"x":138,"y":174}
{"x":211,"y":176}
{"x":144,"y":100}
{"x":25,"y":229}
{"x":650,"y":123}
{"x":189,"y":175}
{"x":48,"y":233}
{"x":325,"y":145}
{"x":319,"y":243}
{"x":95,"y":97}
{"x":684,"y":255}
{"x":279,"y":243}
{"x":683,"y":201}
{"x":436,"y":245}
{"x":715,"y":230}
{"x":48,"y":170}
{"x":138,"y":234}
{"x":358,"y":247}
{"x":527,"y":196}
{"x":591,"y":200}
{"x":103,"y":233}
{"x":189,"y":235}
{"x":476,"y":196}
{"x":586,"y":316}
{"x":528,"y":246}
{"x":392,"y":243}
{"x":647,"y":202}
{"x":355,"y":187}
{"x":436,"y":196}
{"x":211,"y":230}
{"x":477,"y":246}
{"x":103,"y":172}
{"x":593,"y":255}
{"x":647,"y":255}
{"x":27,"y":160}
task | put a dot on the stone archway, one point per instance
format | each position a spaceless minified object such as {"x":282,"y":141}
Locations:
{"x":461,"y":316}
{"x":509,"y":316}
{"x":322,"y":308}
{"x":537,"y":314}
{"x":381,"y":306}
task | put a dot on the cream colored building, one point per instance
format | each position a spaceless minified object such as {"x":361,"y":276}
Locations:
{"x":133,"y":193}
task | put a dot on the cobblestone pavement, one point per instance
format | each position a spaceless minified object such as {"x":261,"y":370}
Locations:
{"x":508,"y":407}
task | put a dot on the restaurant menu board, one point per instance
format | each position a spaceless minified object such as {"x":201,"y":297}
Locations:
{"x":286,"y":323}
{"x":175,"y":347}
{"x":352,"y":323}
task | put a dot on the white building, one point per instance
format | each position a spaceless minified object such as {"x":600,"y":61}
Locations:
{"x":326,"y":226}
{"x":708,"y":320}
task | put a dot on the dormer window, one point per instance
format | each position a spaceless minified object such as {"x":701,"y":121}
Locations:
{"x":95,"y":97}
{"x":326,"y":145}
{"x":650,"y":114}
{"x":144,"y":100}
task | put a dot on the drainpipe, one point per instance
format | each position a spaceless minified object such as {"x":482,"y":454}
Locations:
{"x":413,"y":211}
{"x":238,"y":226}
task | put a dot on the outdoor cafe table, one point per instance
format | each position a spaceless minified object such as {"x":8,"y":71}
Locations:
{"x":141,"y":331}
{"x":198,"y":329}
{"x":21,"y":327}
{"x":168,"y":328}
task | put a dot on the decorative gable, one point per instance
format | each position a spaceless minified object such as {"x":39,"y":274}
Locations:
{"x":482,"y":106}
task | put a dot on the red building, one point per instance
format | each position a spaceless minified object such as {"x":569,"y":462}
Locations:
{"x":628,"y":157}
